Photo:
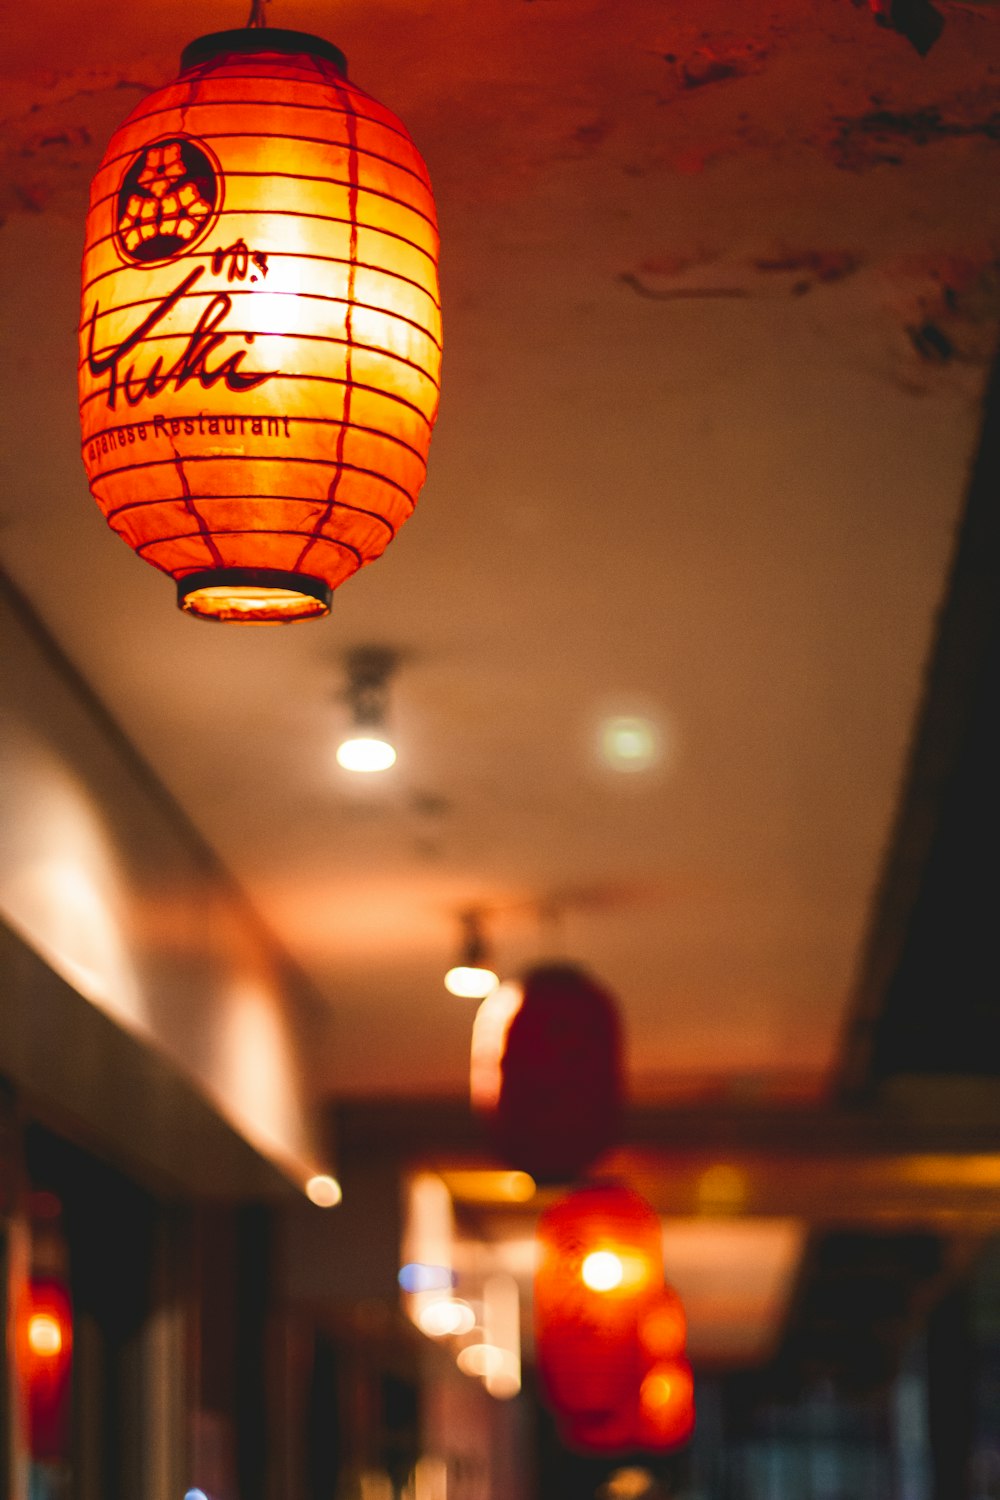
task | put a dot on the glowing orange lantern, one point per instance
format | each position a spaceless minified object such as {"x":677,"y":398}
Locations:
{"x":662,"y":1326}
{"x":546,"y":1071}
{"x":666,"y":1405}
{"x":605,"y":1433}
{"x":600,"y":1267}
{"x":657,"y":1414}
{"x":45,"y":1354}
{"x":260,"y":343}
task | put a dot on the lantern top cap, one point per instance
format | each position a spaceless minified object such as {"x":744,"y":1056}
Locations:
{"x":261,"y":39}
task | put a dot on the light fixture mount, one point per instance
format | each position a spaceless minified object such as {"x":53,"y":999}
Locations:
{"x":472,"y":977}
{"x":367,"y":748}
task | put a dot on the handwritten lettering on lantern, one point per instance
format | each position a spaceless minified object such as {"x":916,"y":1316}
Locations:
{"x":193,"y":362}
{"x":261,"y":306}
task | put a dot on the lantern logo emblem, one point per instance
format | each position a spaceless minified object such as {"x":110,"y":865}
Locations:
{"x":169,"y":198}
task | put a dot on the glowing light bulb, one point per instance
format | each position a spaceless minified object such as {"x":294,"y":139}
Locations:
{"x":480,"y":1359}
{"x":629,"y":743}
{"x":44,"y":1335}
{"x":324,"y":1191}
{"x":470,"y":982}
{"x":448,"y":1317}
{"x":366,"y":753}
{"x":602,"y":1271}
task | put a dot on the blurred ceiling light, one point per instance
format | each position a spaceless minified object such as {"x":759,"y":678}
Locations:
{"x":324,"y":1191}
{"x":602,"y":1271}
{"x":418,"y":1276}
{"x":471,"y":978}
{"x":502,"y":1330}
{"x":480,"y":1359}
{"x":629,"y":743}
{"x":446,"y":1318}
{"x":365,"y":753}
{"x":367,"y":748}
{"x":474,"y":1186}
{"x":427,"y":1243}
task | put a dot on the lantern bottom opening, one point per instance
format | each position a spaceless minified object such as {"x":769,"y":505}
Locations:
{"x":253,"y":596}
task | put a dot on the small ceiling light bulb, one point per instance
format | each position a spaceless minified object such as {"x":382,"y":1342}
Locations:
{"x":447,"y":1318}
{"x":471,"y":978}
{"x":629,"y":743}
{"x":480,"y":1359}
{"x":470,"y":982}
{"x":367,"y":748}
{"x":324,"y":1191}
{"x":365,"y":753}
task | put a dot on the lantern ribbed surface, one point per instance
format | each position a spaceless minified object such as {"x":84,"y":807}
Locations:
{"x":260,"y":344}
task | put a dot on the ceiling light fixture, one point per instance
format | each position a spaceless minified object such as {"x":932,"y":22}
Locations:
{"x":324,"y":1191}
{"x":260,"y":338}
{"x":629,"y":743}
{"x":367,"y":748}
{"x":471,"y":978}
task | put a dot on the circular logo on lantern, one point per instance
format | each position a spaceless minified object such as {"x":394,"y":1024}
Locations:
{"x":168,"y":199}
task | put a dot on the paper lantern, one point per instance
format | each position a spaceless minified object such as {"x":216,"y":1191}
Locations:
{"x":666,"y":1412}
{"x":260,"y":342}
{"x":547,"y":1073}
{"x":662,"y":1327}
{"x":45,"y":1356}
{"x":600,"y":1267}
{"x":657,"y":1414}
{"x":616,"y":1432}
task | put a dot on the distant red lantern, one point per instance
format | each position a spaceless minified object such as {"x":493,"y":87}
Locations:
{"x":662,"y":1327}
{"x":45,"y":1357}
{"x":657,"y":1415}
{"x":547,"y":1071}
{"x":600,"y":1267}
{"x":616,"y":1432}
{"x":665,"y":1415}
{"x":261,"y":339}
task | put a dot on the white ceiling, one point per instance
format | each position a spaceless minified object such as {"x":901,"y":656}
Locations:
{"x":696,"y":460}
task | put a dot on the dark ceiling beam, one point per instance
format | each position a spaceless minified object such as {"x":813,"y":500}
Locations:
{"x":446,"y":1130}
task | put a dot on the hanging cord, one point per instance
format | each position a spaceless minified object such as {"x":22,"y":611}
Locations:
{"x":257,"y":18}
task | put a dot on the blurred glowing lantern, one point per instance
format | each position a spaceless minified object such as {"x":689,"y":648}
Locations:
{"x":260,"y":341}
{"x":662,"y":1326}
{"x":658,"y":1414}
{"x":546,"y":1071}
{"x":666,"y":1405}
{"x":605,"y":1433}
{"x":600,"y":1268}
{"x":45,"y":1354}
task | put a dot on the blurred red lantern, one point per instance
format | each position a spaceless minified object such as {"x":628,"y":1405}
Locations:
{"x":547,"y":1072}
{"x":616,"y":1432}
{"x":658,"y":1414}
{"x":666,"y":1405}
{"x":662,"y":1327}
{"x":260,"y":343}
{"x":600,"y":1267}
{"x":45,"y":1357}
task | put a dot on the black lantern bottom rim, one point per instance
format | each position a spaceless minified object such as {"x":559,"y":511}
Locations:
{"x":253,"y":596}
